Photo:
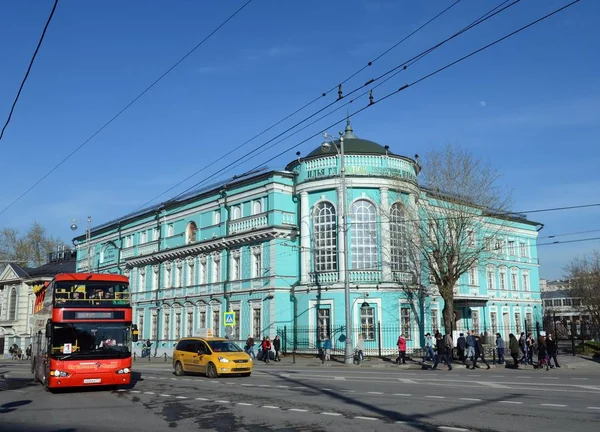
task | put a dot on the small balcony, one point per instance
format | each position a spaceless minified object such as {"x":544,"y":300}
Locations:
{"x":248,"y":223}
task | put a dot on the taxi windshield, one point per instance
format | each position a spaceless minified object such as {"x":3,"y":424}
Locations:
{"x":223,"y":346}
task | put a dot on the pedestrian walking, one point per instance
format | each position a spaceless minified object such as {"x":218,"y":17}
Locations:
{"x":500,"y":348}
{"x":552,"y":349}
{"x":461,"y":345}
{"x":449,"y":345}
{"x":249,"y":348}
{"x":471,"y":342}
{"x":266,"y":349}
{"x":277,"y":347}
{"x":479,"y":353}
{"x":513,"y":346}
{"x":326,"y":349}
{"x":359,"y":349}
{"x":530,"y":348}
{"x":443,"y":350}
{"x":401,"y":349}
{"x":523,"y":347}
{"x":542,"y":353}
{"x":429,"y":354}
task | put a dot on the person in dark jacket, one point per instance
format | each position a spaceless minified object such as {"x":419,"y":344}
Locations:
{"x":479,"y":353}
{"x":513,"y":346}
{"x":500,"y":348}
{"x":552,"y":349}
{"x":461,"y":345}
{"x":277,"y":347}
{"x":542,"y":353}
{"x":442,"y":352}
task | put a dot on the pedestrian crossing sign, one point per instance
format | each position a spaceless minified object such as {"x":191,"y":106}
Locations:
{"x":229,"y":318}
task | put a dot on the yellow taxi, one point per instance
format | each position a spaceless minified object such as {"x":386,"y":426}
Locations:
{"x":211,"y":356}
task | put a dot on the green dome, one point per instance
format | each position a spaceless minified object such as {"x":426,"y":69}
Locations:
{"x":352,"y":145}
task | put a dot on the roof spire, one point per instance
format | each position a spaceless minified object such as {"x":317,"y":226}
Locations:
{"x":348,"y":132}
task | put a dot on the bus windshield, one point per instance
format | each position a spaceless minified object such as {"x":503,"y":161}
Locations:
{"x":91,"y":293}
{"x":91,"y":340}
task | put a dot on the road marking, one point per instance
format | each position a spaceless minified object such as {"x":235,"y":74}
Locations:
{"x":510,"y":402}
{"x":551,"y":378}
{"x":248,"y":385}
{"x":187,"y":379}
{"x":331,"y":413}
{"x":525,"y":377}
{"x":436,"y":397}
{"x":149,"y":393}
{"x":264,"y":385}
{"x":180,"y":397}
{"x":581,"y":379}
{"x":497,"y":376}
{"x":228,"y":383}
{"x":327,"y":389}
{"x":553,"y":405}
{"x":281,"y":386}
{"x":165,"y":395}
{"x":475,"y":375}
{"x":244,"y":404}
{"x":339,"y":378}
{"x":134,"y":391}
{"x":470,"y":399}
{"x":450,"y":428}
{"x":594,"y":408}
{"x":491,"y":384}
{"x":122,"y":390}
{"x":201,"y":399}
{"x":366,"y":418}
{"x":270,"y":407}
{"x":407,"y":381}
{"x":297,"y":410}
{"x":377,"y":393}
{"x":403,"y":394}
{"x":349,"y":391}
{"x":161,"y":378}
{"x":173,"y":379}
{"x":222,"y":401}
{"x":299,"y":387}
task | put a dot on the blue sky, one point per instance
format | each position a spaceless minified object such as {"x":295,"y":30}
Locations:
{"x":530,"y":104}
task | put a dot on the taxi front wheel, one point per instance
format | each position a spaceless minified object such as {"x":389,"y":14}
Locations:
{"x":211,"y":371}
{"x":179,"y":369}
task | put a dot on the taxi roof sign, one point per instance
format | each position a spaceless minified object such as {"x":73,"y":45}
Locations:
{"x":229,"y":318}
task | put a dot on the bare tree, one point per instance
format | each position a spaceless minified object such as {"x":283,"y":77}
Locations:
{"x":584,"y":280}
{"x":29,"y":249}
{"x":453,"y":226}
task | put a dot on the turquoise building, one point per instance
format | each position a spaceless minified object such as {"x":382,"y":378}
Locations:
{"x":269,"y":247}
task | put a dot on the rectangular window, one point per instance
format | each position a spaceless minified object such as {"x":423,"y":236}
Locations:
{"x":154,"y":279}
{"x":434,"y":321}
{"x":513,"y":281}
{"x":189,"y":328}
{"x":155,"y":234}
{"x":178,"y":274}
{"x":525,"y":282}
{"x":557,"y":302}
{"x":236,"y":327}
{"x":518,"y":322}
{"x":523,"y":249}
{"x":216,"y":322}
{"x":190,"y":274}
{"x":488,"y":244}
{"x":257,"y":264}
{"x":142,"y":280}
{"x":203,"y":276}
{"x":236,"y":269}
{"x":256,"y":207}
{"x":528,"y":322}
{"x":323,"y":323}
{"x":475,"y":320}
{"x":256,"y":322}
{"x":217,"y":217}
{"x":202,"y":319}
{"x":494,"y":322}
{"x":511,"y":248}
{"x":406,"y":323}
{"x":143,"y":237}
{"x":470,"y":239}
{"x":168,"y":276}
{"x":166,"y":329}
{"x":566,"y":302}
{"x":367,"y":323}
{"x":576,"y":302}
{"x":170,"y":230}
{"x":499,"y":246}
{"x":490,"y":280}
{"x":216,"y":276}
{"x":472,"y":276}
{"x":140,"y":323}
{"x":502,"y":280}
{"x":154,"y":328}
{"x":177,"y":326}
{"x":548,"y":303}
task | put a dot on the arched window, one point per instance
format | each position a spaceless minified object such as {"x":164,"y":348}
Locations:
{"x":236,"y":212}
{"x":398,"y":239}
{"x":12,"y":304}
{"x":363,"y":232}
{"x":257,"y":207}
{"x":190,"y":233}
{"x":325,"y":237}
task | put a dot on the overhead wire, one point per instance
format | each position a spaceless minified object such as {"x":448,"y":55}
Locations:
{"x":235,"y":149}
{"x":37,"y":48}
{"x":126,"y":107}
{"x":403,"y":66}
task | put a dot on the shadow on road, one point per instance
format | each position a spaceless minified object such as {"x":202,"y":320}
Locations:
{"x":418,"y":421}
{"x":11,"y":406}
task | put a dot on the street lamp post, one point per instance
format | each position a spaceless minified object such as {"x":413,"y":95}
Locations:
{"x":88,"y":239}
{"x":348,"y":350}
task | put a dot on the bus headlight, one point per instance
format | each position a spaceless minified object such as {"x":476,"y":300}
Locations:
{"x":124,"y":371}
{"x":58,"y":373}
{"x":223,"y":360}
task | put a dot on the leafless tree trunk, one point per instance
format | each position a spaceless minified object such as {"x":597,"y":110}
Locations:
{"x":453,"y":226}
{"x":584,"y":279}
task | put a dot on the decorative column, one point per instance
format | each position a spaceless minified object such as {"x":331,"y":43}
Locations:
{"x":386,"y":244}
{"x":342,"y":236}
{"x":304,"y":238}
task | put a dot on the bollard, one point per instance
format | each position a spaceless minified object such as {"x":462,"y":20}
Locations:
{"x":165,"y":357}
{"x":134,"y":356}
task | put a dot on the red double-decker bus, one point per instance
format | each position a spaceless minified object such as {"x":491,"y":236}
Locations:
{"x":82,"y":331}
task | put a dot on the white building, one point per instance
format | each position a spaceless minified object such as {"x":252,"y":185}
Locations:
{"x":16,"y":305}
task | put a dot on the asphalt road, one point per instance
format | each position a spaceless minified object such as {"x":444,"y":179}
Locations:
{"x":278,"y":398}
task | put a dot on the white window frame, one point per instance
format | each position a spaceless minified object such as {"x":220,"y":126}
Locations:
{"x":143,"y":237}
{"x":525,"y":279}
{"x":216,"y":268}
{"x":203,"y":276}
{"x":217,"y":217}
{"x":364,"y":235}
{"x":257,"y":264}
{"x":236,"y":265}
{"x":398,"y":238}
{"x":502,"y":277}
{"x":166,"y":330}
{"x":514,"y":280}
{"x":406,"y":324}
{"x":491,"y":278}
{"x":256,"y":320}
{"x":472,"y":276}
{"x":236,"y":212}
{"x":325,"y":237}
{"x":511,"y":248}
{"x":523,"y":249}
{"x":170,"y":230}
{"x":142,"y":279}
{"x":168,"y":273}
{"x":257,"y":207}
